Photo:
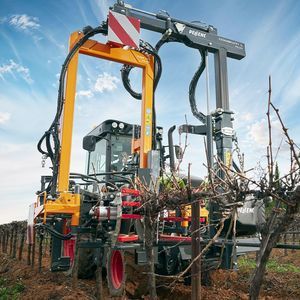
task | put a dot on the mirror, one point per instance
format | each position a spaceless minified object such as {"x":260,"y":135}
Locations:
{"x":89,"y":143}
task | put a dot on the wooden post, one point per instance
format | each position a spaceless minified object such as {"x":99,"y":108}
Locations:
{"x":294,"y":241}
{"x":99,"y":283}
{"x":23,"y":231}
{"x":29,"y":254}
{"x":33,"y":248}
{"x":46,"y":244}
{"x":7,"y":240}
{"x":285,"y":241}
{"x":41,"y":238}
{"x":196,"y":249}
{"x":149,"y":240}
{"x":11,"y":239}
{"x":15,"y":240}
{"x":76,"y":263}
{"x":3,"y":238}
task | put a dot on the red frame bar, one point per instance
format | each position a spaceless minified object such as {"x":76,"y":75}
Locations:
{"x":131,"y":203}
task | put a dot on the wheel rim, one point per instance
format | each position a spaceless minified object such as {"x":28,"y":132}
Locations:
{"x":116,"y":269}
{"x":69,"y":246}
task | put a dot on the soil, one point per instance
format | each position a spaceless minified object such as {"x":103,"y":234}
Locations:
{"x":224,"y":284}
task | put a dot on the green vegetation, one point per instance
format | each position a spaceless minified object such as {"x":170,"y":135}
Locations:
{"x":247,"y":263}
{"x":10,"y":291}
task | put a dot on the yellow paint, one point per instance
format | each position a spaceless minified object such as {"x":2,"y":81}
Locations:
{"x":68,"y":117}
{"x":147,"y":117}
{"x":67,"y":203}
{"x":186,"y":212}
{"x":228,"y":158}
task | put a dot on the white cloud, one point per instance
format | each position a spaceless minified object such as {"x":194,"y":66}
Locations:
{"x":12,"y":67}
{"x":259,"y":134}
{"x":106,"y":82}
{"x":85,"y":93}
{"x":24,"y":22}
{"x":19,"y":163}
{"x":4,"y":117}
{"x":247,"y":117}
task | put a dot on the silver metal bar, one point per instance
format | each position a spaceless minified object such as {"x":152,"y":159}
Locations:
{"x":207,"y":83}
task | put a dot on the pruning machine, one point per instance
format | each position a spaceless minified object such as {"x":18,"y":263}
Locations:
{"x":98,"y":213}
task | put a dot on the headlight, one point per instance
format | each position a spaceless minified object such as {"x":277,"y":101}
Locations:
{"x":121,"y":125}
{"x":114,"y":124}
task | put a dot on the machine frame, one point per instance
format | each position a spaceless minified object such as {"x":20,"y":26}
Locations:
{"x":69,"y":203}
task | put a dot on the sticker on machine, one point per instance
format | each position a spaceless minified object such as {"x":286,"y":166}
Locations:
{"x":123,"y":30}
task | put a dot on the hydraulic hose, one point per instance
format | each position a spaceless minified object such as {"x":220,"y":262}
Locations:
{"x":192,"y":90}
{"x":146,"y":47}
{"x":55,"y":233}
{"x":158,"y":70}
{"x":52,"y":134}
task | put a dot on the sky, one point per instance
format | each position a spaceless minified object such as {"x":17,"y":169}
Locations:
{"x":34,"y":42}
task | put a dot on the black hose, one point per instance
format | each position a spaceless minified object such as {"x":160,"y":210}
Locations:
{"x":126,"y":82}
{"x":158,"y":69}
{"x":192,"y":90}
{"x":53,"y":131}
{"x":55,"y":233}
{"x":146,"y":47}
{"x":157,"y":74}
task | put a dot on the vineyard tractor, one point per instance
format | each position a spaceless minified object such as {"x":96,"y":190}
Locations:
{"x":99,"y":211}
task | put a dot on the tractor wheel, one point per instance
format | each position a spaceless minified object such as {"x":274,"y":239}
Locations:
{"x":168,"y":261}
{"x":86,"y":264}
{"x":86,"y":261}
{"x":115,"y":268}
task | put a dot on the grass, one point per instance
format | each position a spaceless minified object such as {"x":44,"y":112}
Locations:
{"x":247,"y":263}
{"x":10,"y":291}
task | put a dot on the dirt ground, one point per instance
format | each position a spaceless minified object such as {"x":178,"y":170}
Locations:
{"x":20,"y":281}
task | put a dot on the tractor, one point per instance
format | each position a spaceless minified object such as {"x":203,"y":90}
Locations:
{"x":96,"y":217}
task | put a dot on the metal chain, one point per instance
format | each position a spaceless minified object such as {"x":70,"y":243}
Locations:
{"x":44,"y":157}
{"x":239,"y":155}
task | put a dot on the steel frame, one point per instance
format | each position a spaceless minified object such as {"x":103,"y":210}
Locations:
{"x":69,"y":203}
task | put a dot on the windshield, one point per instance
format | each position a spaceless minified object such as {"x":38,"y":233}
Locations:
{"x":120,"y":152}
{"x":97,"y":160}
{"x":120,"y":155}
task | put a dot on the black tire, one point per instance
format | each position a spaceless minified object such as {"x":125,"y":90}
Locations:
{"x":86,"y":263}
{"x":168,"y":261}
{"x":115,"y":272}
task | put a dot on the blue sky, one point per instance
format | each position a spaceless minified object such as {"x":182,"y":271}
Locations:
{"x":34,"y":41}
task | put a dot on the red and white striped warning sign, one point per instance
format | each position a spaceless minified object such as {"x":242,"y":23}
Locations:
{"x":123,"y":30}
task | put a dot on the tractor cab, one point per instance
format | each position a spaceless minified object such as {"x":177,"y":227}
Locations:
{"x":109,"y":148}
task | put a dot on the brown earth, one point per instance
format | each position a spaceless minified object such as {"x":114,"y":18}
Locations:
{"x":225,"y":284}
